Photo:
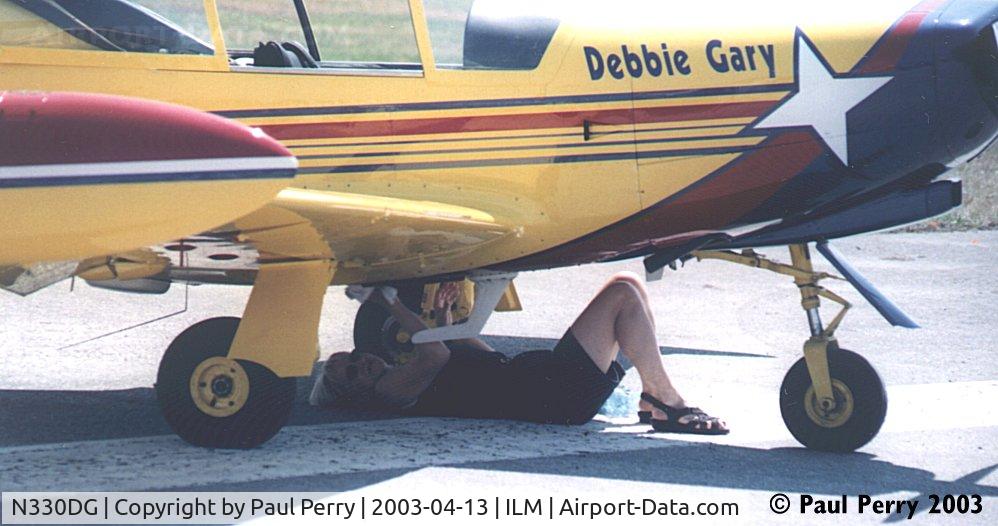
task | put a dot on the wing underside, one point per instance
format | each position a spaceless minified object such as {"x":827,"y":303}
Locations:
{"x":368,"y":236}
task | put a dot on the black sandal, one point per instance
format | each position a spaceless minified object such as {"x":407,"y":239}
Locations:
{"x":695,"y":425}
{"x":644,"y":417}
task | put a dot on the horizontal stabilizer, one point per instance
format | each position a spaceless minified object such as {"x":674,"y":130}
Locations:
{"x":884,"y":306}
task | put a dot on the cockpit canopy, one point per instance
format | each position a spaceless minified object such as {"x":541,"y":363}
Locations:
{"x":118,"y":25}
{"x":464,"y":34}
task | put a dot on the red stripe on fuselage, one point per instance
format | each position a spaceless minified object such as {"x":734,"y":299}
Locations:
{"x":889,"y":51}
{"x":743,"y":186}
{"x":523,"y":121}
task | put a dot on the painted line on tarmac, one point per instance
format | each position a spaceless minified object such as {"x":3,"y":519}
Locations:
{"x":165,"y":461}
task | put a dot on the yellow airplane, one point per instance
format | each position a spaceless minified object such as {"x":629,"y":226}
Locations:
{"x":296,"y":144}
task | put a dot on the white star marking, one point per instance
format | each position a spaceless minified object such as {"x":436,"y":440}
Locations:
{"x":822,"y":101}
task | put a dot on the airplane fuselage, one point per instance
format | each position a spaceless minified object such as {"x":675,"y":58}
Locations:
{"x":640,"y":125}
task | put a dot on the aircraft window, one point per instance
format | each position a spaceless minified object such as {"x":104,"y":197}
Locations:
{"x":246,"y":25}
{"x":489,"y":34}
{"x":143,"y":26}
{"x":188,"y":14}
{"x":446,"y":20}
{"x":364,"y":33}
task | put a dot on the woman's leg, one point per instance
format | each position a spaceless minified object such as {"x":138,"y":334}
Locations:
{"x":619,"y":319}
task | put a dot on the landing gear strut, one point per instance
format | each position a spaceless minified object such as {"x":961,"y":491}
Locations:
{"x":831,"y":399}
{"x":230,"y":382}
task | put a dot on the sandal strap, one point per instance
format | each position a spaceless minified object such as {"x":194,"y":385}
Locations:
{"x":674,"y":414}
{"x":699,"y":418}
{"x":698,"y":413}
{"x":671,"y":412}
{"x":694,"y":416}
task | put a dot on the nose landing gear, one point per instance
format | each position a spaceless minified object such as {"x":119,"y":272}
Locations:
{"x":831,"y":399}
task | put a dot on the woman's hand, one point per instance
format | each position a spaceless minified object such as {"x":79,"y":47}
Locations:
{"x":447,"y":294}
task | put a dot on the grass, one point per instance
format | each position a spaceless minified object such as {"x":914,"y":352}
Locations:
{"x":188,"y":14}
{"x":345,"y":30}
{"x":348,"y":30}
{"x":980,"y":198}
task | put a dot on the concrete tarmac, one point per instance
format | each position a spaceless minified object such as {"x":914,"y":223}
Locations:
{"x":80,"y":414}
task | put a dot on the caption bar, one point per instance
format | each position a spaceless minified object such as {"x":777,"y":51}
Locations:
{"x":226,"y":508}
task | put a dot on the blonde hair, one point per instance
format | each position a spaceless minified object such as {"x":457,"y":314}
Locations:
{"x":327,"y":393}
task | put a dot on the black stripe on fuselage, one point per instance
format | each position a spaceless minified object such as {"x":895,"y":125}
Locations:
{"x":520,"y":148}
{"x":549,"y":159}
{"x":595,"y":134}
{"x":502,"y":103}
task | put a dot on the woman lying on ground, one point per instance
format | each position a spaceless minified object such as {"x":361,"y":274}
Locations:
{"x":566,"y":385}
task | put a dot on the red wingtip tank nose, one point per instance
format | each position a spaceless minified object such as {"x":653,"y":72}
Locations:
{"x":60,"y":128}
{"x":85,"y":175}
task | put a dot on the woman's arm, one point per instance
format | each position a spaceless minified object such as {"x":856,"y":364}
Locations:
{"x":403,"y":384}
{"x":447,"y":294}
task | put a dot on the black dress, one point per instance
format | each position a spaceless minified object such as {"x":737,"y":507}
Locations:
{"x":561,"y":386}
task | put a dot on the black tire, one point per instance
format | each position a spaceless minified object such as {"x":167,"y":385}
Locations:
{"x":869,"y":404}
{"x":376,"y":331}
{"x":264,"y":413}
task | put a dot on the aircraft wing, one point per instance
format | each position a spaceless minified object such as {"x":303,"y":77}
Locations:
{"x":372,"y":238}
{"x":85,"y":174}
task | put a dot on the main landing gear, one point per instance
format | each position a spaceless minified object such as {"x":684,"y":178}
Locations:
{"x":230,"y":382}
{"x":831,"y":399}
{"x":212,"y":400}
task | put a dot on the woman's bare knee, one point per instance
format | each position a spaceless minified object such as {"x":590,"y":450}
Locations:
{"x":594,"y":327}
{"x":626,"y":275}
{"x":622,"y":291}
{"x":631,"y":279}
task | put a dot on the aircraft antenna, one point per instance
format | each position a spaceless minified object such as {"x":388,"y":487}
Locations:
{"x":187,"y":288}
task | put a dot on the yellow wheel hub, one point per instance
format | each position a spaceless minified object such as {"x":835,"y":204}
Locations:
{"x":827,"y":413}
{"x":219,"y":386}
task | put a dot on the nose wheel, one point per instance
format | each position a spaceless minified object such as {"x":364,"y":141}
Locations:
{"x":214,"y":401}
{"x":846,"y":422}
{"x":831,"y":399}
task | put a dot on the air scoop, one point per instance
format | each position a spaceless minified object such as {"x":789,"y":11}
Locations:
{"x":85,"y":175}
